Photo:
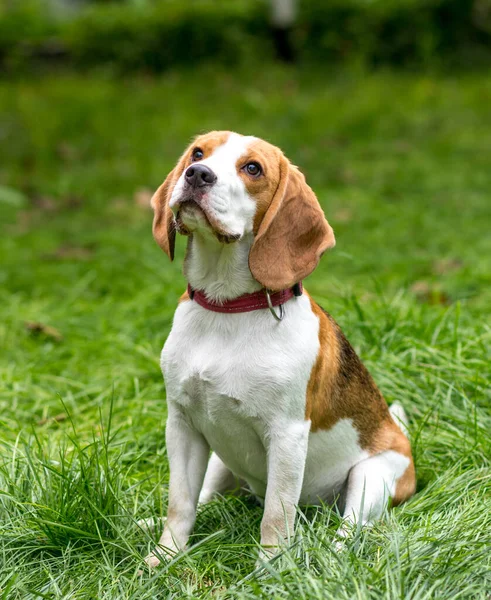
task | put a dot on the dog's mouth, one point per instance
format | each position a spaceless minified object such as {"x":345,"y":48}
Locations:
{"x":191,"y":208}
{"x":189,"y":215}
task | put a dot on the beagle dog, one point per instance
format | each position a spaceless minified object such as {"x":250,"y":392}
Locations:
{"x":256,"y":372}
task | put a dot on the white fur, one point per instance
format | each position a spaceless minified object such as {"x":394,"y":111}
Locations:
{"x":236,"y":383}
{"x":234,"y":376}
{"x":221,"y":269}
{"x":331,"y":455}
{"x":370,"y":485}
{"x":218,"y":479}
{"x":399,"y":415}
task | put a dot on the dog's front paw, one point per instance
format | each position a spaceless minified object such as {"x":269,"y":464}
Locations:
{"x":152,"y":560}
{"x":160,"y":555}
{"x":274,"y":559}
{"x":266,"y":554}
{"x":342,"y":537}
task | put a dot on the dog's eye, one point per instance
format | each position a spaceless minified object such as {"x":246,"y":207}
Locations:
{"x":253,"y":168}
{"x":197,"y":154}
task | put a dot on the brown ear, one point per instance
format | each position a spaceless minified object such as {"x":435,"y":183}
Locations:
{"x":163,"y":227}
{"x":292,"y":236}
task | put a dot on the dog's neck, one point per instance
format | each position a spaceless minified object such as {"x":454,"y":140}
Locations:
{"x":220,"y":270}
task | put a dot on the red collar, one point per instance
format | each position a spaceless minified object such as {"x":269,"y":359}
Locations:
{"x":246,"y":302}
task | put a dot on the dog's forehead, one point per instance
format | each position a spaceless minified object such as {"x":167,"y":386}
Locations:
{"x":224,"y":146}
{"x":230,"y":146}
{"x":209,"y":142}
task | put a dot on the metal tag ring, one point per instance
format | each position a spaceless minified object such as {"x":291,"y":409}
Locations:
{"x":271,"y":308}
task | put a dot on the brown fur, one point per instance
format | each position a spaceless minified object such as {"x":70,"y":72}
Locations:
{"x":208,"y":142}
{"x":406,"y":485}
{"x":293,"y":233}
{"x":263,"y":188}
{"x":340,"y":387}
{"x":164,"y":227}
{"x":392,"y":438}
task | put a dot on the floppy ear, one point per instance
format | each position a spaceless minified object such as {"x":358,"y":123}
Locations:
{"x":163,"y":227}
{"x":293,"y":234}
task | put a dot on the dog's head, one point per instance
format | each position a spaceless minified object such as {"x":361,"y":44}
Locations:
{"x":227,"y":185}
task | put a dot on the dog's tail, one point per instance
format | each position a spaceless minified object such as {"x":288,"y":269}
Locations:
{"x":399,"y":416}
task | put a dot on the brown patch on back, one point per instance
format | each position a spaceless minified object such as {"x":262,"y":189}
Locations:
{"x":323,"y":377}
{"x":340,"y":387}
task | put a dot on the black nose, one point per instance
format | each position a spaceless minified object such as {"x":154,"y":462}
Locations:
{"x":200,"y":176}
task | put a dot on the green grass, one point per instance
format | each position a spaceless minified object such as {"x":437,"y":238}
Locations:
{"x":401,"y":166}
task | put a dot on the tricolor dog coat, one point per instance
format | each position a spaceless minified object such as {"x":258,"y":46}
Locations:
{"x":264,"y":391}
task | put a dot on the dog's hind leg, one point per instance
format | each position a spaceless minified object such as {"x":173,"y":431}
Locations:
{"x":218,"y":480}
{"x":389,"y":474}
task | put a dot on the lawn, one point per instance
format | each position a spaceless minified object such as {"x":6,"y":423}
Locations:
{"x":401,"y":165}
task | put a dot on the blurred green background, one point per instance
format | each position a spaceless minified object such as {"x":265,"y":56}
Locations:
{"x":386,"y":107}
{"x":155,"y":35}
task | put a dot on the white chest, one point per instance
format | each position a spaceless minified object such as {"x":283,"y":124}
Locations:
{"x":261,"y":365}
{"x":237,"y":377}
